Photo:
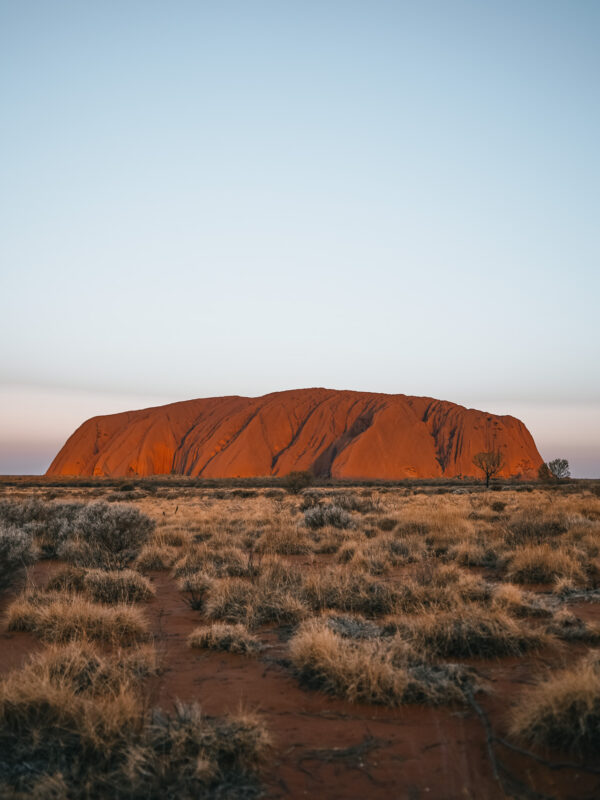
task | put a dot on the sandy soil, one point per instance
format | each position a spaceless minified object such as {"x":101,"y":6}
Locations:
{"x":328,"y":748}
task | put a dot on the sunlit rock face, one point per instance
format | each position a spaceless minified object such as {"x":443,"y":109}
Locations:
{"x":338,"y":434}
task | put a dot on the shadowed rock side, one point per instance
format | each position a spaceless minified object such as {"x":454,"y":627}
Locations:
{"x":340,"y":434}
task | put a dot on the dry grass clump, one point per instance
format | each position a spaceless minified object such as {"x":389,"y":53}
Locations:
{"x":156,"y":557}
{"x":518,"y":603}
{"x":68,"y":579}
{"x":73,"y":724}
{"x":124,"y":586}
{"x":533,"y":526}
{"x":570,"y":628}
{"x":289,"y":541}
{"x":443,"y":586}
{"x":563,"y":711}
{"x":221,"y":636}
{"x":59,"y":618}
{"x":474,"y":631}
{"x":469,"y":553}
{"x":346,"y":590}
{"x":543,"y":563}
{"x":83,"y":668}
{"x":221,"y":562}
{"x":195,"y":588}
{"x":253,"y":604}
{"x":369,"y":671}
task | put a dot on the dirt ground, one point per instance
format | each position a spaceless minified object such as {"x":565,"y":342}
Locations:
{"x":329,"y":748}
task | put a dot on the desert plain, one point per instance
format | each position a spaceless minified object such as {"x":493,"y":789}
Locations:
{"x":186,"y":638}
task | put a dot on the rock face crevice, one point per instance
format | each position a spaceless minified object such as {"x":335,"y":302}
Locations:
{"x":338,"y":434}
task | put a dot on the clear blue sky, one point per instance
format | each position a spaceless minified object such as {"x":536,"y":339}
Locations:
{"x":205,"y":198}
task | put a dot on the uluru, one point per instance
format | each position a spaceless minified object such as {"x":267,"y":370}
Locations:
{"x":333,"y":433}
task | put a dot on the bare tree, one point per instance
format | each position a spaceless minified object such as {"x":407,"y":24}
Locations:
{"x":559,"y":467}
{"x":489,"y":462}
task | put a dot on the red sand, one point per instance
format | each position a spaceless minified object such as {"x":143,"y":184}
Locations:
{"x":412,"y":752}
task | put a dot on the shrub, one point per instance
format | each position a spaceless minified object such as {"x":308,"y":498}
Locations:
{"x":232,"y":638}
{"x":16,"y":551}
{"x":72,"y":724}
{"x":295,"y":481}
{"x":49,"y":523}
{"x":107,"y":536}
{"x":125,"y":586}
{"x":563,"y":711}
{"x":333,"y":515}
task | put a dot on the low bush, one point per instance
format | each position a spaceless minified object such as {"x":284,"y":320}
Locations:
{"x":17,"y":550}
{"x":72,"y":724}
{"x":332,"y":515}
{"x":107,"y":536}
{"x":232,"y":638}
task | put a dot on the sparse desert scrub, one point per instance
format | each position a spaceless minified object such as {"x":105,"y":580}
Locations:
{"x":221,"y":636}
{"x":17,"y":550}
{"x":123,"y":586}
{"x":107,"y":536}
{"x":59,"y":618}
{"x":563,"y":711}
{"x":543,"y":563}
{"x":49,"y":523}
{"x":473,"y":631}
{"x":213,"y":560}
{"x":369,"y":671}
{"x":80,"y":738}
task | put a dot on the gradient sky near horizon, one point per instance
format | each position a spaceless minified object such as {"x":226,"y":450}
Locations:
{"x":203,"y":198}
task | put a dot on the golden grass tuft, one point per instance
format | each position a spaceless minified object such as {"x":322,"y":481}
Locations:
{"x":221,"y":636}
{"x":59,"y":618}
{"x":470,"y":631}
{"x":124,"y":586}
{"x":563,"y":711}
{"x":371,"y":671}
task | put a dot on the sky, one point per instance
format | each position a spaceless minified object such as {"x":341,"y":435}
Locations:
{"x":201,"y":198}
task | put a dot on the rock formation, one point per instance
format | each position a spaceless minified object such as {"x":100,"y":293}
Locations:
{"x":338,"y":434}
